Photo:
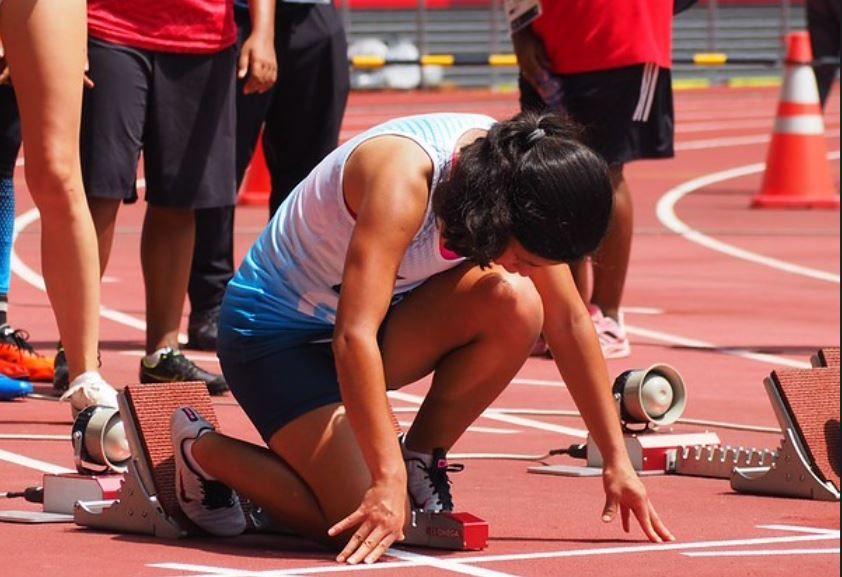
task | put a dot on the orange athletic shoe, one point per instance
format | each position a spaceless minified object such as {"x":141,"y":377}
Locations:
{"x":13,"y":370}
{"x":15,"y":349}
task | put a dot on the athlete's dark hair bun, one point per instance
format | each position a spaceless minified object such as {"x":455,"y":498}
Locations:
{"x":529,"y":179}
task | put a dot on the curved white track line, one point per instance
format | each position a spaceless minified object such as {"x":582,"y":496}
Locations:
{"x":28,"y":275}
{"x":666,"y":215}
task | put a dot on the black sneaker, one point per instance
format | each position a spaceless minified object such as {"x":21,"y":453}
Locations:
{"x":202,"y":330}
{"x":61,"y":374}
{"x":173,"y":367}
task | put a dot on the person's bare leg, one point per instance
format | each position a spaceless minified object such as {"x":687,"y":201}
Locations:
{"x":166,"y":251}
{"x":48,"y":78}
{"x":611,"y":261}
{"x":104,"y":213}
{"x":295,"y":481}
{"x":473,"y":328}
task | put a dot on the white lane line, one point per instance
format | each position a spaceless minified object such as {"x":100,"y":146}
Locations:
{"x":539,"y":383}
{"x":193,"y":357}
{"x":666,"y":214}
{"x":732,"y":141}
{"x":763,"y":553}
{"x":451,"y":566}
{"x":32,"y":463}
{"x":22,"y":270}
{"x":408,"y":562}
{"x":798,"y":529}
{"x":704,"y":345}
{"x":473,"y":429}
{"x":510,"y":419}
{"x":651,"y":548}
{"x":30,"y":437}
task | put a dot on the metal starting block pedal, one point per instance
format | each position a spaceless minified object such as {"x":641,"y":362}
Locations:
{"x":718,"y":462}
{"x":456,"y":531}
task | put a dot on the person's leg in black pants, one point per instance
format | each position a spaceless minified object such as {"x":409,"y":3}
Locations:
{"x":213,"y":255}
{"x":303,"y":122}
{"x":303,"y":115}
{"x":823,"y":23}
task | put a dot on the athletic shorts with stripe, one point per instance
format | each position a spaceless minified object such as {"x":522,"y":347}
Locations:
{"x":627,"y":113}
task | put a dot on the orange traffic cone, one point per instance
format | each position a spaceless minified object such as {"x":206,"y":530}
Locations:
{"x":797,"y":172}
{"x":257,"y":184}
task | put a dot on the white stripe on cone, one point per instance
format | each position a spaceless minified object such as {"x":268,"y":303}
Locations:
{"x":805,"y":124}
{"x":800,"y":85}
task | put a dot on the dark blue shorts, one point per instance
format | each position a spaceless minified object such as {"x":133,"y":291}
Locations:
{"x":277,"y":388}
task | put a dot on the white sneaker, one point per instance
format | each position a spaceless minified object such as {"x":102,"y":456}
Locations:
{"x":211,"y":505}
{"x":427,"y":482}
{"x":612,"y":335}
{"x":89,"y":389}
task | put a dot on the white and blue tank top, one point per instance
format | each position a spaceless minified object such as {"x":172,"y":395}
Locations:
{"x":291,"y":278}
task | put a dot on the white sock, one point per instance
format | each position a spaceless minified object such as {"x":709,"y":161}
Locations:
{"x":187,"y":449}
{"x":152,"y":359}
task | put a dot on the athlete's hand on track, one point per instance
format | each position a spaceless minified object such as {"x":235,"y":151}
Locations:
{"x":625,"y":492}
{"x":379,"y":520}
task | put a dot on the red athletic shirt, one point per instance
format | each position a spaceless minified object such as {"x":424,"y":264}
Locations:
{"x":590,"y":35}
{"x":184,"y":26}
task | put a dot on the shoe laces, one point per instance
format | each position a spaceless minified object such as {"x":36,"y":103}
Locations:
{"x":216,"y":495}
{"x":182,"y":365}
{"x":439,"y":481}
{"x":19,"y":338}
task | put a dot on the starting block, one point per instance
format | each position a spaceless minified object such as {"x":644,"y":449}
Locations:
{"x":806,"y":404}
{"x":147,"y":501}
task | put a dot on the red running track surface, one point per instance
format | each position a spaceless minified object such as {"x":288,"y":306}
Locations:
{"x":746,"y":292}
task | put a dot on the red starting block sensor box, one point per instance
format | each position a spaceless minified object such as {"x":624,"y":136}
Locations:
{"x":456,"y":531}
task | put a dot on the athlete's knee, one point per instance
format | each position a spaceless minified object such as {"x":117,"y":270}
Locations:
{"x":512,"y":302}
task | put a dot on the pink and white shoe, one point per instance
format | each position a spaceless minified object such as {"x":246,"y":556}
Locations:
{"x":612,"y":335}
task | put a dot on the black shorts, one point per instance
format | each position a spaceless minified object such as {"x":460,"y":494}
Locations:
{"x":177,"y":110}
{"x":627,"y":113}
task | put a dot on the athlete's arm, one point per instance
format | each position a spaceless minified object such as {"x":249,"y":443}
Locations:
{"x":386,"y":183}
{"x":569,"y":332}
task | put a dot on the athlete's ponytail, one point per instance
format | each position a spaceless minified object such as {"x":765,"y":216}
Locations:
{"x":529,"y":179}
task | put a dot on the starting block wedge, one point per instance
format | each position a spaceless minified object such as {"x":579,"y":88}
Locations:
{"x":147,"y":502}
{"x":806,"y":404}
{"x":455,"y":531}
{"x":828,"y":357}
